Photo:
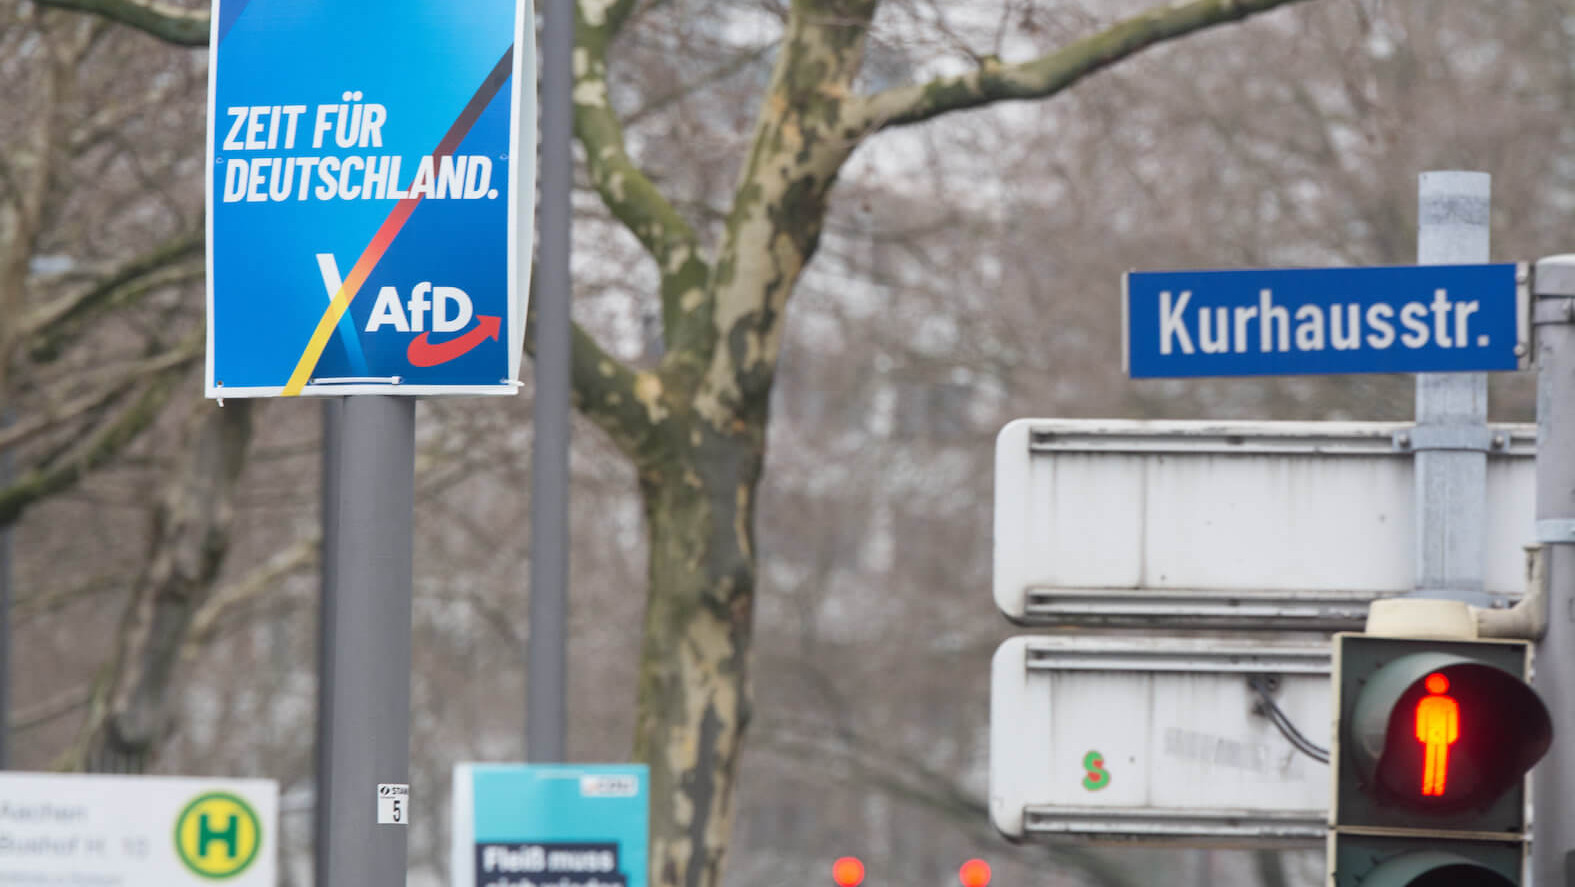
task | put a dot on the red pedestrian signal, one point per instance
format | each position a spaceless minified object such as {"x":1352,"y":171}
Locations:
{"x":848,"y":872}
{"x":1432,"y":743}
{"x":1440,"y":733}
{"x":1437,"y":728}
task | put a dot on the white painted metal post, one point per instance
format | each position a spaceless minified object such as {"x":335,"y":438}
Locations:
{"x":1451,"y":437}
{"x":1553,"y":780}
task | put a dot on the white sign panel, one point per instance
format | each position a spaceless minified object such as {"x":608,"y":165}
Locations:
{"x":137,"y":831}
{"x":1158,"y":739}
{"x":1294,"y":524}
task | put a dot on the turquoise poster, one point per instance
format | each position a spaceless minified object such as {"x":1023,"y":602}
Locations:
{"x":550,"y":825}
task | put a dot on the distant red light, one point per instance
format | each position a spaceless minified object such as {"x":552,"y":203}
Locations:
{"x":974,"y":873}
{"x":848,"y":872}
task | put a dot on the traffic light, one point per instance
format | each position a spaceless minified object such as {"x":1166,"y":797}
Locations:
{"x":1433,"y":739}
{"x":847,"y":871}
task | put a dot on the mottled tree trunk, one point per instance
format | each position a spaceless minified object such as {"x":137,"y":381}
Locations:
{"x":694,"y":675}
{"x":694,"y":694}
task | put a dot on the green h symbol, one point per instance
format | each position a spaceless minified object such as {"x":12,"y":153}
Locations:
{"x":231,"y":835}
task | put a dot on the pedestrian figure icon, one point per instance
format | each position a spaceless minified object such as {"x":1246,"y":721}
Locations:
{"x":1437,"y":728}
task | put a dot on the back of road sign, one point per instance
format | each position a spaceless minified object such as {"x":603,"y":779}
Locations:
{"x":1228,"y":524}
{"x":371,"y":183}
{"x":1282,"y":321}
{"x":1157,"y":738}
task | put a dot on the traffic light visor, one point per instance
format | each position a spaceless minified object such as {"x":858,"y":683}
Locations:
{"x":1434,"y":731}
{"x":1434,"y":869}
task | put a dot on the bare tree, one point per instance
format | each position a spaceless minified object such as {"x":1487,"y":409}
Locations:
{"x":694,"y":426}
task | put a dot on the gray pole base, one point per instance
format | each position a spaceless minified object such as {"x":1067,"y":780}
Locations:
{"x":1553,"y":779}
{"x":364,"y":691}
{"x":547,"y":649}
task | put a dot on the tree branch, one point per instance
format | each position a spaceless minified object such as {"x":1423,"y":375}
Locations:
{"x":191,"y":530}
{"x":103,"y":443}
{"x":56,"y":706}
{"x":627,"y":404}
{"x":172,"y":24}
{"x":622,"y":402}
{"x":625,"y":188}
{"x":52,"y":600}
{"x":176,"y":260}
{"x":217,"y":611}
{"x":57,"y":412}
{"x":1049,"y":74}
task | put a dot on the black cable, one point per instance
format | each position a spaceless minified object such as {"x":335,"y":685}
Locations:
{"x":1278,"y":718}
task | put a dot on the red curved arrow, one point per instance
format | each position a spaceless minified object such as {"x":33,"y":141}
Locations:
{"x":426,"y":354}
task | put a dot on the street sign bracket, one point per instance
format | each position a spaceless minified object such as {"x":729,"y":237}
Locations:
{"x":1185,"y":655}
{"x":1179,"y":827}
{"x":1556,"y":530}
{"x":1553,"y":309}
{"x":1203,"y":608}
{"x":1462,"y":438}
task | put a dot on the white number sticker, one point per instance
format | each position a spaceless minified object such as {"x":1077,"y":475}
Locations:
{"x":393,"y":803}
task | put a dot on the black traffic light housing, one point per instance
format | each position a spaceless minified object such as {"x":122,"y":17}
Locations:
{"x":1371,"y":861}
{"x":1433,"y":739}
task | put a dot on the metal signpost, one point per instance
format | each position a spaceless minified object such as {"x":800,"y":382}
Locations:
{"x":370,"y":219}
{"x":138,"y":831}
{"x":1157,"y":739}
{"x":1553,"y":802}
{"x":1273,"y":526}
{"x":1451,"y":439}
{"x":547,"y":647}
{"x":551,"y":825}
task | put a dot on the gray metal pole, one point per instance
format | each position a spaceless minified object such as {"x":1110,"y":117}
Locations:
{"x":6,"y":476}
{"x":364,"y":697}
{"x":333,"y":436}
{"x":1553,"y":780}
{"x":546,"y":651}
{"x":1451,"y":437}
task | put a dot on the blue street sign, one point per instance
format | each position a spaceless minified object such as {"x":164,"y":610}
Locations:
{"x":1276,"y":322}
{"x":550,"y":825}
{"x":367,"y":188}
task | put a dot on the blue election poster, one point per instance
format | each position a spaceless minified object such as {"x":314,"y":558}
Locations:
{"x":550,"y":825}
{"x":371,"y":180}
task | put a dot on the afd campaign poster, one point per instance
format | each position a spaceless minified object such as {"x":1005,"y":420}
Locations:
{"x":371,"y":189}
{"x":550,"y":825}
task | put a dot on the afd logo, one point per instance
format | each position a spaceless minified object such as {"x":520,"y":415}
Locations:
{"x":426,"y":309}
